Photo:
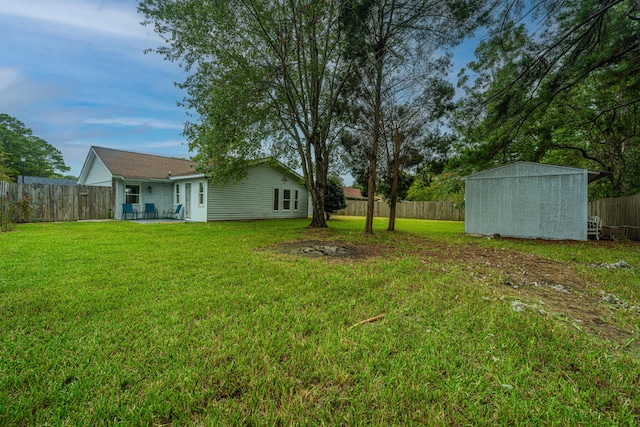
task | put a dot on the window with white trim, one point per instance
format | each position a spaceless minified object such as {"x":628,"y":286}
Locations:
{"x":276,"y":199}
{"x":296,"y":200}
{"x":132,"y":194}
{"x":201,"y":193}
{"x":286,"y":199}
{"x":177,"y":193}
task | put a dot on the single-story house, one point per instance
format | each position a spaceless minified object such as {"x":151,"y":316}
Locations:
{"x":270,"y":190}
{"x":528,"y":200}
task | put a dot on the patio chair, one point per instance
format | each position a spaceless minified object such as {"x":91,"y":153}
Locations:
{"x":594,"y":227}
{"x":176,"y":213}
{"x":150,"y":210}
{"x":127,"y":209}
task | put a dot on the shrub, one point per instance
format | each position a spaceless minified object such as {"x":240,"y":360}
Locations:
{"x":334,"y":199}
{"x":14,"y":212}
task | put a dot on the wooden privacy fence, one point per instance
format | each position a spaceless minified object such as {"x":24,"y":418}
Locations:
{"x":619,"y":211}
{"x":445,"y":211}
{"x":62,"y":202}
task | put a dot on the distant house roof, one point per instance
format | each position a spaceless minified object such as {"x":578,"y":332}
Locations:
{"x":143,"y":166}
{"x":352,"y":193}
{"x":46,"y":181}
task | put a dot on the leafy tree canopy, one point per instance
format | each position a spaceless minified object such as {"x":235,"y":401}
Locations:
{"x":17,"y":141}
{"x":401,"y":51}
{"x":447,"y":186}
{"x":567,"y":95}
{"x":262,"y":73}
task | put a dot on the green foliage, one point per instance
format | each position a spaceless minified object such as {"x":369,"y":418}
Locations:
{"x":447,"y":186}
{"x":17,"y":141}
{"x":14,"y":212}
{"x":4,"y":169}
{"x":405,"y":180}
{"x":240,"y":332}
{"x":334,"y":199}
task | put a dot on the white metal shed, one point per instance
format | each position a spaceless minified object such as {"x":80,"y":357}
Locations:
{"x":528,"y":200}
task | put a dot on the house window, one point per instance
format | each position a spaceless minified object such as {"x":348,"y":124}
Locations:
{"x":132,"y":194}
{"x":286,"y":199}
{"x":296,"y":200}
{"x":177,"y":193}
{"x":201,"y":193}
{"x":276,"y":199}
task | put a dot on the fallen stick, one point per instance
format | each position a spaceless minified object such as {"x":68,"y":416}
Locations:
{"x":369,"y":320}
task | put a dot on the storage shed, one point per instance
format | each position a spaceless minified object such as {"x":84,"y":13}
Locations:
{"x":528,"y":200}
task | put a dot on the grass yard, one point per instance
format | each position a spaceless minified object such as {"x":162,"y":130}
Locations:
{"x":245,"y":324}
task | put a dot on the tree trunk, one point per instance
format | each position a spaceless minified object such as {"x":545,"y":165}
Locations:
{"x":318,"y":187}
{"x":371,"y":189}
{"x":373,"y":154}
{"x":394,"y":183}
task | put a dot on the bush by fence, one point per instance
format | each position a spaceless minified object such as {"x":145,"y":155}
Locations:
{"x":61,"y":202}
{"x":445,"y":211}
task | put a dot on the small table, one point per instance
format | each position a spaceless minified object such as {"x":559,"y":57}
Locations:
{"x":616,"y":232}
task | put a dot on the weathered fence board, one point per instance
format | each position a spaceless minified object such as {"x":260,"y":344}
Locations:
{"x":446,"y":211}
{"x":62,"y":202}
{"x":619,"y":211}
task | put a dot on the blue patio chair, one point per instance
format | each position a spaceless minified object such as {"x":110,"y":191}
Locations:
{"x":176,"y":213}
{"x":150,"y":210}
{"x":127,"y":209}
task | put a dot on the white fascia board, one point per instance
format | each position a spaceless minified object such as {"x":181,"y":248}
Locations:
{"x":185,"y":177}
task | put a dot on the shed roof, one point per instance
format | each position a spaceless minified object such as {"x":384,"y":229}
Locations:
{"x":143,"y":166}
{"x":522,"y":169}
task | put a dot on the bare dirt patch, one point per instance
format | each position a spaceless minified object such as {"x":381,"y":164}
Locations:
{"x":548,"y":287}
{"x":551,"y":288}
{"x":530,"y":282}
{"x":324,"y":248}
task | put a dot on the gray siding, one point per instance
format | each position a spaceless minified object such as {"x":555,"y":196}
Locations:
{"x":528,"y":201}
{"x":252,"y":198}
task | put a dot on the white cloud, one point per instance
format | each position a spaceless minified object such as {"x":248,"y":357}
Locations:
{"x":135,"y":122}
{"x":18,"y":91}
{"x":120,"y":20}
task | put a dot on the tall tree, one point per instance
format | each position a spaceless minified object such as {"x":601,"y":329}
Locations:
{"x":395,"y":41}
{"x":568,"y":93}
{"x":261,"y":71}
{"x":411,"y":130}
{"x":17,"y":142}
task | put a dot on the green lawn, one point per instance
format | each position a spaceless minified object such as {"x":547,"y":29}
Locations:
{"x":221,"y":324}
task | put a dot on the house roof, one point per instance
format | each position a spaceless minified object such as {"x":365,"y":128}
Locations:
{"x":47,"y":181}
{"x":352,"y":192}
{"x":138,"y":166}
{"x":143,"y":166}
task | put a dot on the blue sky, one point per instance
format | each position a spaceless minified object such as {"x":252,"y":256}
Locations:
{"x":75,"y":72}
